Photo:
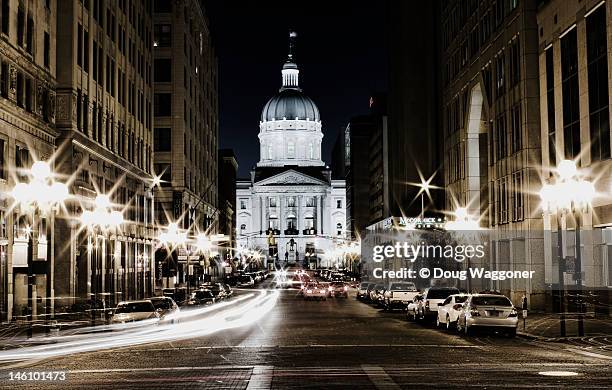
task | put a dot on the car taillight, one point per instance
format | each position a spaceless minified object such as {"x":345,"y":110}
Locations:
{"x":513,"y":313}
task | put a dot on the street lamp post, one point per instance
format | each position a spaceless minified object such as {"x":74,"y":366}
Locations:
{"x":100,"y":220}
{"x":41,"y":193}
{"x":569,"y":193}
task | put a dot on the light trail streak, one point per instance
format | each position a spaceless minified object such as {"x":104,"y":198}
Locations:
{"x":200,"y":322}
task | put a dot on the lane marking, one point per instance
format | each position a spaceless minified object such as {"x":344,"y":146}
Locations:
{"x":261,"y":378}
{"x":589,"y":354}
{"x":379,"y":377}
{"x":320,"y":346}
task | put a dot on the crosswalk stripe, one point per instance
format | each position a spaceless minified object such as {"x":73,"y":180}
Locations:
{"x":379,"y":377}
{"x":261,"y":378}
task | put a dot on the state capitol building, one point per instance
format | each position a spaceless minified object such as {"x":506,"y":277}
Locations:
{"x":291,"y":210}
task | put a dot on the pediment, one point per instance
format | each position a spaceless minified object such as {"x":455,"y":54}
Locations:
{"x":290,"y":177}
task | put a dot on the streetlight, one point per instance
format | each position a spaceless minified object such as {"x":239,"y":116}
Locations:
{"x":569,"y":193}
{"x":172,"y":238}
{"x":41,"y":194}
{"x":102,"y":219}
{"x":203,"y":247}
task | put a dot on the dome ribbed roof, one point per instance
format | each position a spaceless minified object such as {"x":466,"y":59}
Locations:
{"x":290,"y":103}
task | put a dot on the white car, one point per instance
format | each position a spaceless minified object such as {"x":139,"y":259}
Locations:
{"x":428,"y":308}
{"x":131,"y":311}
{"x":488,"y":311}
{"x":448,"y":311}
{"x":399,"y":295}
{"x":413,"y":307}
{"x":167,"y":309}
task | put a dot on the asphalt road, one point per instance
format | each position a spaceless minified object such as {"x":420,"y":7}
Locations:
{"x":338,"y":343}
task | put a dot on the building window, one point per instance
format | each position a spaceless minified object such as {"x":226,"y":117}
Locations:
{"x":500,"y":137}
{"x":500,"y":75}
{"x":291,"y":202}
{"x":310,"y":201}
{"x":162,"y":35}
{"x":339,"y":203}
{"x":291,"y":222}
{"x":30,"y":35}
{"x":339,"y":229}
{"x":20,"y":25}
{"x":4,"y":79}
{"x":515,"y":62}
{"x":273,"y":222}
{"x":162,"y":141}
{"x":20,"y":85}
{"x":599,"y":119}
{"x":162,"y":69}
{"x":291,"y":149}
{"x":242,"y":229}
{"x":162,"y":104}
{"x":517,"y":131}
{"x":2,"y":160}
{"x":272,"y":202}
{"x":80,"y":45}
{"x":569,"y":86}
{"x":46,"y":51}
{"x":517,"y":185}
{"x":6,"y":12}
{"x":162,"y":6}
{"x":309,"y":222}
{"x":550,"y":108}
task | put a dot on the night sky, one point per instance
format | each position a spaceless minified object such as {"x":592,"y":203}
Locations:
{"x":341,"y":53}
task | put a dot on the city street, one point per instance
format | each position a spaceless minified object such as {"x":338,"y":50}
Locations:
{"x":315,"y":344}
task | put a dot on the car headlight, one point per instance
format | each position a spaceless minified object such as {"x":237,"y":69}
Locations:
{"x":309,"y":291}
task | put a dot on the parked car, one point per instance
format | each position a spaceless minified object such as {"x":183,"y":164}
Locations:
{"x":338,"y":289}
{"x":369,"y":290}
{"x":315,"y":291}
{"x":362,"y":290}
{"x":428,"y":308}
{"x":376,"y":294}
{"x":228,"y":290}
{"x":131,"y":311}
{"x":448,"y":311}
{"x":413,"y":307}
{"x":166,"y":308}
{"x":488,"y":311}
{"x":201,"y":297}
{"x":246,"y":281}
{"x":217,"y":289}
{"x":398,"y":295}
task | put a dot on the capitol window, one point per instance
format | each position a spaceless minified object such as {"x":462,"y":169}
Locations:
{"x":272,"y":202}
{"x":242,"y":228}
{"x":291,"y":202}
{"x":291,"y":149}
{"x":310,"y":201}
{"x":339,"y":229}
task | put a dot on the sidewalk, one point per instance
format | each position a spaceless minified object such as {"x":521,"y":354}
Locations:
{"x":547,"y":325}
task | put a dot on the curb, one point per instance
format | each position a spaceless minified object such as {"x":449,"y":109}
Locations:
{"x":528,"y":336}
